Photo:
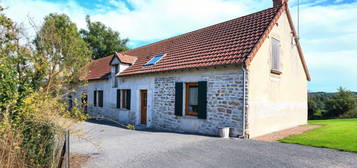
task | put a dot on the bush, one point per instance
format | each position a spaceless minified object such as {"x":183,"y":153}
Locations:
{"x":332,"y":105}
{"x":340,"y":103}
{"x":38,"y":143}
{"x":10,"y":150}
{"x":316,"y":106}
{"x":350,"y":114}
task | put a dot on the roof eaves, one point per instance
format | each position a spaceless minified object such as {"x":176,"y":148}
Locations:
{"x":260,"y":42}
{"x":297,"y":41}
{"x":172,"y":70}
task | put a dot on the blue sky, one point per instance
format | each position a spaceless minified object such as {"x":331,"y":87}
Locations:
{"x":328,"y":28}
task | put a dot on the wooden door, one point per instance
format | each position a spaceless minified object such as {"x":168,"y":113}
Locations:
{"x":143,"y":96}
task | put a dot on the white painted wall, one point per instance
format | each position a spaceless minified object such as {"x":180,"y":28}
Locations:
{"x":276,"y":102}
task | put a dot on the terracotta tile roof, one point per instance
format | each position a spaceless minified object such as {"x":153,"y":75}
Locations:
{"x":230,"y":42}
{"x":127,"y":59}
{"x":100,"y":68}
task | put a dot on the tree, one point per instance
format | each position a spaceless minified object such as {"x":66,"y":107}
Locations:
{"x":33,"y":83}
{"x":316,"y":105}
{"x":15,"y":74}
{"x":340,"y":103}
{"x":102,"y":39}
{"x":62,"y":53}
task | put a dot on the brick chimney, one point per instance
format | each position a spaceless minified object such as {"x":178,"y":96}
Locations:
{"x":279,"y":2}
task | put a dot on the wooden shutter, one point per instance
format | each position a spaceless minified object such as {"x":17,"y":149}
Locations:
{"x":202,"y":100}
{"x":178,"y":98}
{"x":275,"y":54}
{"x":128,"y":97}
{"x":100,"y":97}
{"x":118,"y":98}
{"x":95,"y":98}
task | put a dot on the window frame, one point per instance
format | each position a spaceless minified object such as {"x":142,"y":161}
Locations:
{"x":275,"y":56}
{"x":100,"y":103}
{"x":188,"y":85}
{"x":124,"y":102}
{"x":149,"y":64}
{"x":97,"y":102}
{"x":115,"y":79}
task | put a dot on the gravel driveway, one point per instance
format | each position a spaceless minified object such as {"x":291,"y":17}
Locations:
{"x":117,"y":147}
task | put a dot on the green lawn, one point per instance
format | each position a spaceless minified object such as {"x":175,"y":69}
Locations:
{"x":338,"y":134}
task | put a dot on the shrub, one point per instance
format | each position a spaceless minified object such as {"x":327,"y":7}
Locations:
{"x":340,"y":103}
{"x":39,"y":143}
{"x":350,"y":114}
{"x":10,"y":150}
{"x":316,"y":105}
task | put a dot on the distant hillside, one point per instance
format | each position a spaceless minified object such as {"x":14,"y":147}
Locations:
{"x":326,"y":93}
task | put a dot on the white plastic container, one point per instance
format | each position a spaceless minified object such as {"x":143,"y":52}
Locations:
{"x":224,"y":132}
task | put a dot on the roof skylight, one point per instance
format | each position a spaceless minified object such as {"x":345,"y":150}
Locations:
{"x":154,"y":60}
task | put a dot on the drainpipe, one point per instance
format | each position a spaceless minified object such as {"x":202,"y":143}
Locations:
{"x":244,"y":101}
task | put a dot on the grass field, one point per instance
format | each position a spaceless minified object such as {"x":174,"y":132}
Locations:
{"x":340,"y":134}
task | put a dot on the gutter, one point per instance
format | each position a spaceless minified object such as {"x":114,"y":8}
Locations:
{"x":244,"y":136}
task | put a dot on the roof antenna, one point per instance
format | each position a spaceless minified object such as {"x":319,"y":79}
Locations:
{"x":298,"y":20}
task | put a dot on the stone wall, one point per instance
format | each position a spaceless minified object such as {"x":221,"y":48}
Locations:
{"x":224,"y":103}
{"x":224,"y":100}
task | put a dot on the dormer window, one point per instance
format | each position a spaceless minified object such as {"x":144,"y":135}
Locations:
{"x":116,"y":69}
{"x":154,"y":60}
{"x":115,"y":79}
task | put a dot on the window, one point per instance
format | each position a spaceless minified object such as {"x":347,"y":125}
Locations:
{"x":115,"y":79}
{"x":275,"y":56}
{"x":195,"y":100}
{"x":123,"y":99}
{"x":98,"y":98}
{"x":154,"y":60}
{"x":191,"y":98}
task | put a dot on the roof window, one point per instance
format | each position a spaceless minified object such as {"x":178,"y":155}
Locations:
{"x":154,"y":60}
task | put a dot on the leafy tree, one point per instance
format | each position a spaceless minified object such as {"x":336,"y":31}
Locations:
{"x":62,"y":53}
{"x":316,"y":105}
{"x":312,"y":107}
{"x":15,"y":74}
{"x":340,"y":103}
{"x":102,"y":39}
{"x":33,"y":83}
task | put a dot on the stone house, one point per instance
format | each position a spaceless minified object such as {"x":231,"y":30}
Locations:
{"x":248,"y":73}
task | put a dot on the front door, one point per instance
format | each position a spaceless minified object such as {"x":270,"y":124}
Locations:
{"x":143,"y":95}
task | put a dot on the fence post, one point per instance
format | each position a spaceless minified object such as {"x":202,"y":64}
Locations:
{"x":67,"y":149}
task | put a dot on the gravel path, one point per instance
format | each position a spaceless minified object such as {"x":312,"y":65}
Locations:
{"x":118,"y":147}
{"x":275,"y":136}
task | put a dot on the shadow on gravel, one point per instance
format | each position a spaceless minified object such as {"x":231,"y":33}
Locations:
{"x":141,"y":128}
{"x":105,"y":122}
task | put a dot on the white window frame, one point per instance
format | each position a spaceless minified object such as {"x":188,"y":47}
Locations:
{"x":161,"y":56}
{"x":275,"y":55}
{"x":115,"y":79}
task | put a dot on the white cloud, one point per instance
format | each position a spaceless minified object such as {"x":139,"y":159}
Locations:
{"x":22,"y":10}
{"x":328,"y":33}
{"x":160,"y":19}
{"x":329,"y":40}
{"x":151,"y":19}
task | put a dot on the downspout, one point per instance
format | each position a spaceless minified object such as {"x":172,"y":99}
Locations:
{"x":244,"y":136}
